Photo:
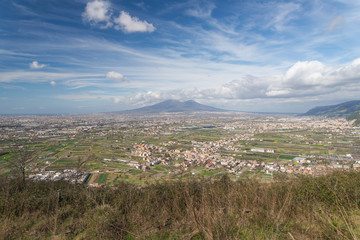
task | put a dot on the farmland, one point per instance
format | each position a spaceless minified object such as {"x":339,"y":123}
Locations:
{"x":169,"y":147}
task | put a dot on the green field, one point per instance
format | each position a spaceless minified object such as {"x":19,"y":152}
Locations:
{"x":287,"y":157}
{"x":102,"y":178}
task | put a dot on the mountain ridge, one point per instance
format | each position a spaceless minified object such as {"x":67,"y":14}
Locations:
{"x":338,"y":110}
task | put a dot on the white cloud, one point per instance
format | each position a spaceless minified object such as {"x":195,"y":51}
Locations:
{"x":302,"y":80}
{"x":305,"y":73}
{"x":98,"y":12}
{"x":313,"y":78}
{"x":36,"y":65}
{"x":53,"y":83}
{"x":115,"y":76}
{"x":130,"y":24}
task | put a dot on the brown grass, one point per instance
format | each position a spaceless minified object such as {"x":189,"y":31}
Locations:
{"x":325,"y":207}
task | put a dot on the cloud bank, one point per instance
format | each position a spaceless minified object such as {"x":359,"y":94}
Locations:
{"x":303,"y":79}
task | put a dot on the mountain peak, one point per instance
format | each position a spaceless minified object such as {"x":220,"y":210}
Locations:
{"x":173,"y":106}
{"x":171,"y":101}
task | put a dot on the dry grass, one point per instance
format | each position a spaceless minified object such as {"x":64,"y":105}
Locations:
{"x":300,"y":208}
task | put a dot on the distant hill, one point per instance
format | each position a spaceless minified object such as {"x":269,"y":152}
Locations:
{"x":174,"y":106}
{"x":340,"y":110}
{"x":354,"y":118}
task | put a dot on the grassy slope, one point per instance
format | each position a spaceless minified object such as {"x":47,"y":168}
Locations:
{"x":326,"y":207}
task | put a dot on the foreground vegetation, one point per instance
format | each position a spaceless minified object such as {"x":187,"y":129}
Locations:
{"x":325,"y":207}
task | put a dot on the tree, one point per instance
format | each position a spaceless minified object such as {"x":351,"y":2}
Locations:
{"x":21,"y":160}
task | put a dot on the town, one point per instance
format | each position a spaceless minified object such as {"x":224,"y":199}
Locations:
{"x":102,"y":149}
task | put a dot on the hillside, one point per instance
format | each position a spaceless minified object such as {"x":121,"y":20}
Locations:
{"x":339,"y":110}
{"x":325,"y":207}
{"x":174,"y":106}
{"x":354,"y":118}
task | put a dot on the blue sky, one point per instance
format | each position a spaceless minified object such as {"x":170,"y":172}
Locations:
{"x":77,"y":56}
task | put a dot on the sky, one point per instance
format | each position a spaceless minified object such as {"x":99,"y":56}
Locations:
{"x":79,"y":56}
